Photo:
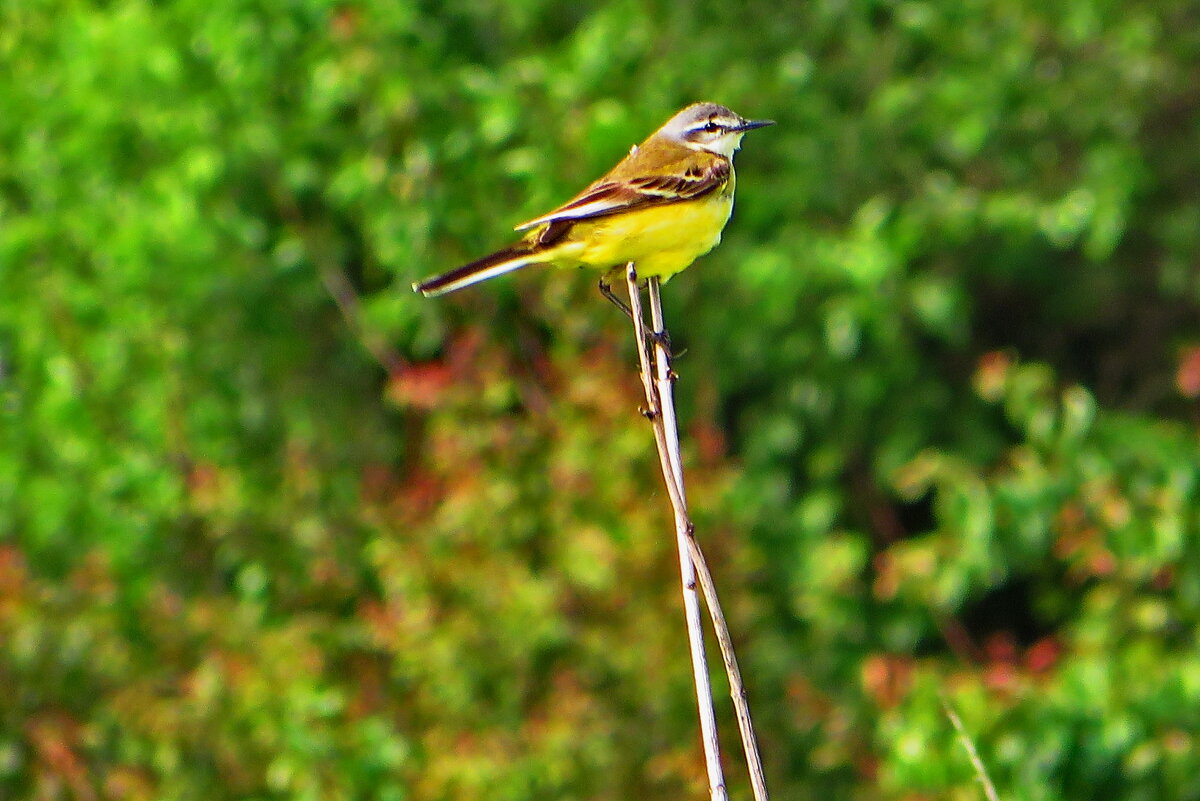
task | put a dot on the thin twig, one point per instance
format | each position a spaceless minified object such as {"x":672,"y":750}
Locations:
{"x":981,"y":773}
{"x":338,"y":285}
{"x":737,"y":689}
{"x":661,"y":406}
{"x":653,"y":406}
{"x":661,"y":411}
{"x":664,"y":379}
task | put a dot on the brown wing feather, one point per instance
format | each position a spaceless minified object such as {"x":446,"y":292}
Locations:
{"x":611,"y":197}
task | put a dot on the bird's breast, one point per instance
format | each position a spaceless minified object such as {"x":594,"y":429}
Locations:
{"x":661,"y":240}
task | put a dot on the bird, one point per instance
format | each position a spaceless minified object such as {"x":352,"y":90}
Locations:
{"x":661,"y":207}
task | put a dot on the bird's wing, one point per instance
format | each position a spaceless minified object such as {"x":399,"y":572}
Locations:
{"x":612,"y":196}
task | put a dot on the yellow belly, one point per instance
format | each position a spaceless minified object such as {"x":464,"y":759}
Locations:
{"x":660,"y":240}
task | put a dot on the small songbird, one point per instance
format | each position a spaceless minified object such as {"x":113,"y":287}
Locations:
{"x":662,"y":207}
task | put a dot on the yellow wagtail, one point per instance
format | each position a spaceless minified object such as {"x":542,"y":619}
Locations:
{"x":662,"y":207}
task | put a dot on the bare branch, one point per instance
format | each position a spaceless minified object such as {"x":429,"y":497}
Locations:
{"x":338,"y":285}
{"x":660,"y":410}
{"x":658,"y":383}
{"x":737,"y":690}
{"x":981,"y":773}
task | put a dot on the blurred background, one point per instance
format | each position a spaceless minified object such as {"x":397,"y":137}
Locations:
{"x":272,"y":526}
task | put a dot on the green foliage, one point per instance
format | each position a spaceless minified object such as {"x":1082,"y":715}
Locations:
{"x":271,"y":526}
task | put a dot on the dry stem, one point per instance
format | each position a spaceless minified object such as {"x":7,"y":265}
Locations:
{"x":981,"y":774}
{"x":658,"y":384}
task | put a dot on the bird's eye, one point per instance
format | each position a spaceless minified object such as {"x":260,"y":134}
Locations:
{"x":712,"y":127}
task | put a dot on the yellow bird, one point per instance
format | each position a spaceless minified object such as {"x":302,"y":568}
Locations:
{"x":662,"y":207}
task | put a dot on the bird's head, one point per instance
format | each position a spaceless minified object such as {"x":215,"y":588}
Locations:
{"x":710,"y":127}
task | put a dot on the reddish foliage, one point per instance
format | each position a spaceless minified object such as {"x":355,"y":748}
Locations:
{"x":1043,"y":655}
{"x":1187,"y":374}
{"x":991,"y":374}
{"x":887,"y":678}
{"x":421,"y":386}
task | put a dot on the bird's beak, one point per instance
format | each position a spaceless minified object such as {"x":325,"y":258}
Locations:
{"x":750,"y":125}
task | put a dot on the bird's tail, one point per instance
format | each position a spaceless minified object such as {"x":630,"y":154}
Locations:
{"x":498,"y":263}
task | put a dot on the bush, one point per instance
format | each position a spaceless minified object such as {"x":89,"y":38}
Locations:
{"x":272,"y":526}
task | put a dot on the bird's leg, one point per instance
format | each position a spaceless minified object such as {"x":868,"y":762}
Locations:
{"x":606,"y":291}
{"x":662,"y":338}
{"x":654,"y":337}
